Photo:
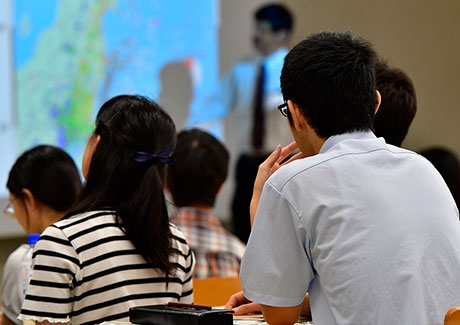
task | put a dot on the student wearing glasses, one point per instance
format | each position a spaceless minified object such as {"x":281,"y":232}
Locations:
{"x":43,"y":183}
{"x":369,"y":230}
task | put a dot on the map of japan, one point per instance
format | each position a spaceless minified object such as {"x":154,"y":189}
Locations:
{"x":71,"y":56}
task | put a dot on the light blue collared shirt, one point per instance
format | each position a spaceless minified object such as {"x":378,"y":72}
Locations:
{"x":369,"y":230}
{"x":235,"y":94}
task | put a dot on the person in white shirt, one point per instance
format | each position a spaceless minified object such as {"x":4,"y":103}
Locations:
{"x":369,"y":230}
{"x":43,"y":183}
{"x":237,"y":93}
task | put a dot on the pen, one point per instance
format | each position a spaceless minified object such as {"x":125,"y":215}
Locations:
{"x":180,"y":304}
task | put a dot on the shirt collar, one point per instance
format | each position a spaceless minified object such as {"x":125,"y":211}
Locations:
{"x":333,"y":140}
{"x":194,"y":213}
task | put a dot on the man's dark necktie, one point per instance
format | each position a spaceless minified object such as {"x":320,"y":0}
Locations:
{"x":258,"y":130}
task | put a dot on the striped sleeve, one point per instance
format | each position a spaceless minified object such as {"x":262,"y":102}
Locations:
{"x":56,"y":266}
{"x":186,"y":263}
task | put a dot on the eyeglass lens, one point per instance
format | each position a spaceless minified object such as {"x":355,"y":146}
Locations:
{"x":283,"y":109}
{"x":9,"y":210}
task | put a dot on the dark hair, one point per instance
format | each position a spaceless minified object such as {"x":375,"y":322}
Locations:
{"x":277,"y":15}
{"x":399,"y":103}
{"x":199,"y":170}
{"x":448,"y":165}
{"x":330,"y":76}
{"x":128,"y":124}
{"x":49,"y":173}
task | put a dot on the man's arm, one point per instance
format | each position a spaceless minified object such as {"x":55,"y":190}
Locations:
{"x":243,"y":306}
{"x":266,"y":169}
{"x":306,"y":311}
{"x":281,"y":315}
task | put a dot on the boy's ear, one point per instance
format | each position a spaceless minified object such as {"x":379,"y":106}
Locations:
{"x":297,"y":116}
{"x":379,"y":100}
{"x":29,"y":199}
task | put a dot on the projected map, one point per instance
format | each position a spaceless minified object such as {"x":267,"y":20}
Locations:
{"x":71,"y":56}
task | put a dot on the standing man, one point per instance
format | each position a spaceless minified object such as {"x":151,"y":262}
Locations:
{"x":369,"y":230}
{"x":251,"y":91}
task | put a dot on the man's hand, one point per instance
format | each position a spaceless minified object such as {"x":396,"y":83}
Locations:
{"x":241,"y":305}
{"x":267,"y":168}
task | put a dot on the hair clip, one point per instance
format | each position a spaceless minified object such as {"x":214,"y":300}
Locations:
{"x":109,"y":120}
{"x":162,"y":156}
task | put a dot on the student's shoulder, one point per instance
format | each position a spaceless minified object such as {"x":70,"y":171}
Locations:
{"x":177,"y":234}
{"x":81,"y":222}
{"x":14,"y":259}
{"x":294,"y":169}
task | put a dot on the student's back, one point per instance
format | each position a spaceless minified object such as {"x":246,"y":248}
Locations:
{"x":369,"y":230}
{"x":116,"y":248}
{"x":379,"y":258}
{"x":43,"y":183}
{"x":194,"y":180}
{"x":448,"y":165}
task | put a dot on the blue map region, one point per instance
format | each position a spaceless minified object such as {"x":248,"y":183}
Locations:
{"x":173,"y":31}
{"x":71,"y":56}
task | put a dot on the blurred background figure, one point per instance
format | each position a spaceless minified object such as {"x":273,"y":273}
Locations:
{"x":252,"y":91}
{"x":398,"y":106}
{"x":247,"y":97}
{"x":448,"y":165}
{"x":43,"y":183}
{"x":195,"y":179}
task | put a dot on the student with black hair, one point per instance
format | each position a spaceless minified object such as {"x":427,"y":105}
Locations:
{"x":369,"y":230}
{"x":399,"y":103}
{"x":43,"y":183}
{"x":116,"y":248}
{"x":195,"y":179}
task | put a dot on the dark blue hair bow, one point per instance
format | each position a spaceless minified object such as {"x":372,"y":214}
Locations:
{"x":162,"y":156}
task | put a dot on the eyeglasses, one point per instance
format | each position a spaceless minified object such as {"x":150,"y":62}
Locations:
{"x":283,"y":108}
{"x":9,"y":210}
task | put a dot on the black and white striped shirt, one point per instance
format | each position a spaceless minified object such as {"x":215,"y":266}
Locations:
{"x":87,"y":271}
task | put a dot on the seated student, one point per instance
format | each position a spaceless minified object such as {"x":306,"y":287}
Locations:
{"x":448,"y":165}
{"x":195,"y":179}
{"x":43,"y":183}
{"x":392,"y":121}
{"x":368,"y":229}
{"x":398,"y":106}
{"x":116,"y":248}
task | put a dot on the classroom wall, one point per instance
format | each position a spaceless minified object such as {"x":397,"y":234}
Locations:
{"x":419,"y":36}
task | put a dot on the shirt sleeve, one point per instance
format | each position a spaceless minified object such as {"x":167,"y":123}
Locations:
{"x":12,"y":285}
{"x":186,"y":262}
{"x":275,"y":270}
{"x":187,"y":289}
{"x":55,"y":272}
